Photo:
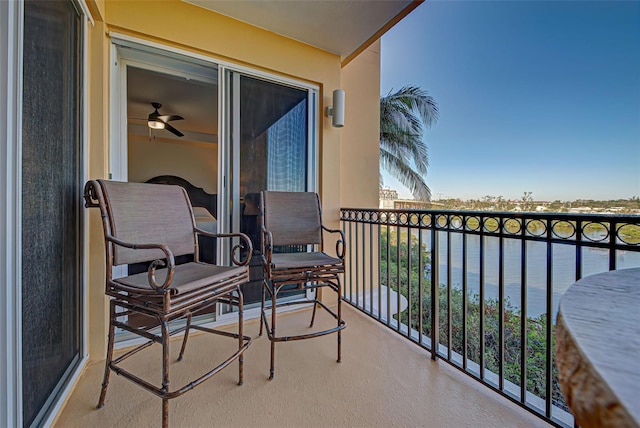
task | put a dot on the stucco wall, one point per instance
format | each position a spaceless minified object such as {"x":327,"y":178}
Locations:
{"x":190,"y":28}
{"x":96,"y":7}
{"x":98,"y":167}
{"x":360,"y":141}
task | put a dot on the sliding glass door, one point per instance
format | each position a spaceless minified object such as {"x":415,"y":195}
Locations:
{"x":269,"y":147}
{"x":244,"y":133}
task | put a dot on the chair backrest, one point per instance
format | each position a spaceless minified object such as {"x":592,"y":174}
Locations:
{"x":293,"y":218}
{"x":142,"y":213}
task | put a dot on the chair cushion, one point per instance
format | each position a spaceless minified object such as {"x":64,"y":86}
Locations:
{"x":187,"y":277}
{"x":302,"y":260}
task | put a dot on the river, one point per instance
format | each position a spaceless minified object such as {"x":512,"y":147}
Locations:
{"x":594,"y":260}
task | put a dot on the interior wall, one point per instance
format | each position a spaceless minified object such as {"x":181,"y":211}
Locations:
{"x":195,"y":162}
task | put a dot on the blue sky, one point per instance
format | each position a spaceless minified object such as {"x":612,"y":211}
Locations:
{"x":539,"y":96}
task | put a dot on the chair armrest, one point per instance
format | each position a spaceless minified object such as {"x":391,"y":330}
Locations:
{"x":267,"y":249}
{"x":247,"y":244}
{"x":340,"y":244}
{"x":91,"y":188}
{"x":154,"y":264}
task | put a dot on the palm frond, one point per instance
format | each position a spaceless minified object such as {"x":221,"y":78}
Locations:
{"x":403,"y":116}
{"x":410,"y":99}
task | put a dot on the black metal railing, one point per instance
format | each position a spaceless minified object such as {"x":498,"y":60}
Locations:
{"x":481,"y":289}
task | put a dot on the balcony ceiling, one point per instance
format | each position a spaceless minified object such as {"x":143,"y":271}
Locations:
{"x":339,"y":27}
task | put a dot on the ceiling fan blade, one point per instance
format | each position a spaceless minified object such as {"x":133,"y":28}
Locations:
{"x":170,"y":117}
{"x":173,"y":130}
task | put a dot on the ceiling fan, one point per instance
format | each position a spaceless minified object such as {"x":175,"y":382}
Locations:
{"x":158,"y":121}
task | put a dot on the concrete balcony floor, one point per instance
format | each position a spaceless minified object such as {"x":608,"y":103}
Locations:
{"x":383,"y":381}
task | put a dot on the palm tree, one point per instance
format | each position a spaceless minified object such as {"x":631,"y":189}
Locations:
{"x":403,"y":153}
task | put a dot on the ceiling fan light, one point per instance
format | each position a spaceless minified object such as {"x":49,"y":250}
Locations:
{"x":155,"y":124}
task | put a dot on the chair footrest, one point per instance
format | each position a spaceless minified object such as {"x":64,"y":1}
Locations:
{"x":272,"y":338}
{"x":160,"y":392}
{"x":342,"y":326}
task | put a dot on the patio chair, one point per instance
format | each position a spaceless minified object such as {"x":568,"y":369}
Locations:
{"x":155,"y":223}
{"x":292,"y":230}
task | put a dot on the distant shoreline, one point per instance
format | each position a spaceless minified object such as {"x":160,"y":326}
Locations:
{"x":525,"y":204}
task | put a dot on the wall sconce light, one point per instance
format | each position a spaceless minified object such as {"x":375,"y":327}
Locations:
{"x":336,"y":112}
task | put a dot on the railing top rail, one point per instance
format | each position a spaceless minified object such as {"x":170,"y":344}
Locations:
{"x":631,"y":218}
{"x":597,"y":230}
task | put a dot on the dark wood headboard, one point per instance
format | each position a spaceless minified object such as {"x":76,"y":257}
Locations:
{"x":199,"y":198}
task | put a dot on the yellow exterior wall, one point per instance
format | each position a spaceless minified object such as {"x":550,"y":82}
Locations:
{"x":188,"y":27}
{"x":360,"y":141}
{"x":98,"y":159}
{"x":96,"y":8}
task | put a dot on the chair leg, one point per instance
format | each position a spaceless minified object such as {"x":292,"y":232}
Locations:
{"x":165,"y":372}
{"x":338,"y":290}
{"x":186,"y":336}
{"x":262,"y":309}
{"x":274,"y":293}
{"x":315,"y":305}
{"x":107,"y":364}
{"x":241,"y":335}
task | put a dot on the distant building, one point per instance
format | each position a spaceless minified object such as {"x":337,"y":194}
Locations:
{"x":388,"y":194}
{"x":389,"y":200}
{"x":581,"y":210}
{"x":411,"y":204}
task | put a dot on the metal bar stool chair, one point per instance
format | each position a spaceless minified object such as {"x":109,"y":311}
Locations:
{"x":293,"y":221}
{"x":155,"y":223}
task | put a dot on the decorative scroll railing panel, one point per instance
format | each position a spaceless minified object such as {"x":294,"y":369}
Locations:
{"x":497,"y":279}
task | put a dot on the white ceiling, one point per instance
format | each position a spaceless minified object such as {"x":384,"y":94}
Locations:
{"x":196,"y":101}
{"x":337,"y":26}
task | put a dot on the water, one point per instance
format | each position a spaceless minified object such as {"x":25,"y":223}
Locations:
{"x":563,"y":275}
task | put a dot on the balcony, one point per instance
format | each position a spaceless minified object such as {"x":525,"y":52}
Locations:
{"x":398,"y":368}
{"x":383,"y":380}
